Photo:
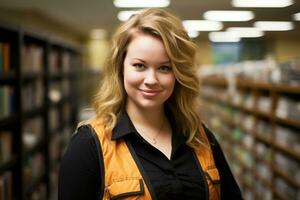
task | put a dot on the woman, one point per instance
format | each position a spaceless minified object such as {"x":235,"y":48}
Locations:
{"x":146,"y":140}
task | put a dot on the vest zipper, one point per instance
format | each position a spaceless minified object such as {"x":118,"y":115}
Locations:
{"x":203,"y":175}
{"x":141,"y":169}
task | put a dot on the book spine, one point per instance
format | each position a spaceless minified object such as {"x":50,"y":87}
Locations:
{"x":6,"y":57}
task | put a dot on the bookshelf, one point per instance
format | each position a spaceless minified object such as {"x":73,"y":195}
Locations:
{"x":258,"y":123}
{"x":38,"y":110}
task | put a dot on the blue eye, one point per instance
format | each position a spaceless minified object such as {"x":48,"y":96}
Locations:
{"x":165,"y":69}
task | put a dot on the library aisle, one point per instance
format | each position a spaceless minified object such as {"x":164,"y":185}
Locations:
{"x":51,"y":57}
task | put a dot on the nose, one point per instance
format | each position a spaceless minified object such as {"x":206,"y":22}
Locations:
{"x":151,"y":78}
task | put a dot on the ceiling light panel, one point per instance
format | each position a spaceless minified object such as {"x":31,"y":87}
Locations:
{"x":262,"y":3}
{"x":202,"y":25}
{"x":296,"y":16}
{"x":223,"y":37}
{"x":126,"y":14}
{"x":246,"y":32}
{"x":193,"y":34}
{"x":228,"y":15}
{"x":141,"y":3}
{"x":274,"y":25}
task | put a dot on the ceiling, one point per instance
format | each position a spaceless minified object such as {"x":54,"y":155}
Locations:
{"x":83,"y":16}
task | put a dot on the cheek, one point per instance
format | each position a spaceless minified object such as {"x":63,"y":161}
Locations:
{"x":171,"y":82}
{"x":131,"y":79}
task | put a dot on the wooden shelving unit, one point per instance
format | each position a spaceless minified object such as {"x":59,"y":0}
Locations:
{"x":40,"y":101}
{"x":254,"y":135}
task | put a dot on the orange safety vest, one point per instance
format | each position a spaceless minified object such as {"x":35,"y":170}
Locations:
{"x":123,"y":178}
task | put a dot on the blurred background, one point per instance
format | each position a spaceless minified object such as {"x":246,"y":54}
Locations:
{"x":51,"y":59}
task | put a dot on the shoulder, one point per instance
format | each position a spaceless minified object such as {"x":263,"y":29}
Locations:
{"x":81,"y":144}
{"x":83,"y":134}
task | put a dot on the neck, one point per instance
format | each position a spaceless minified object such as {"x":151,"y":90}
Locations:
{"x":152,"y":117}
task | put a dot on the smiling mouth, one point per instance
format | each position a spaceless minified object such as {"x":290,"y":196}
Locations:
{"x":150,"y":92}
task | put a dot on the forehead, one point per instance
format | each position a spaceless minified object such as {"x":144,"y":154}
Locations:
{"x":146,"y":45}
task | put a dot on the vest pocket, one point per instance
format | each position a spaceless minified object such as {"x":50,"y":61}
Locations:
{"x":122,"y":189}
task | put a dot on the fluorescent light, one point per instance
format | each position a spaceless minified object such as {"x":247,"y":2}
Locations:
{"x":274,"y":25}
{"x":296,"y":16}
{"x":97,"y":34}
{"x":223,"y":37}
{"x":246,"y":32}
{"x":126,"y":14}
{"x":228,"y":15}
{"x":202,"y":25}
{"x":262,"y":3}
{"x":141,"y":3}
{"x":193,"y":34}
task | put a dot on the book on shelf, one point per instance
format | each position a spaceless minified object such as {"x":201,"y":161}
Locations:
{"x":32,"y":58}
{"x":66,"y":87}
{"x":287,"y":165}
{"x":54,"y":119}
{"x":287,"y":137}
{"x":288,"y":108}
{"x":66,"y":62}
{"x":7,"y":101}
{"x":264,"y":104}
{"x":290,"y":72}
{"x":284,"y":189}
{"x":33,"y":168}
{"x":6,"y":188}
{"x":39,"y":193}
{"x":4,"y":57}
{"x":53,"y":61}
{"x":32,"y":95}
{"x":262,"y":191}
{"x":5,"y":146}
{"x":55,"y":149}
{"x":263,"y":151}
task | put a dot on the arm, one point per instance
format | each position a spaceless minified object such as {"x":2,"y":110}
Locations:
{"x":79,"y":176}
{"x":229,"y":187}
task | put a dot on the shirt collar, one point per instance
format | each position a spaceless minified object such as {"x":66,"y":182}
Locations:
{"x":125,"y":127}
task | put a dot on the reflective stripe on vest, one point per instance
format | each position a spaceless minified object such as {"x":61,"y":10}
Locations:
{"x":123,"y":178}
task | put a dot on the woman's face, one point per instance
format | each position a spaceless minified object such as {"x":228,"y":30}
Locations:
{"x":148,"y":77}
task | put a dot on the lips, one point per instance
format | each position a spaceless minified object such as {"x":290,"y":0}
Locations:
{"x":150,"y":93}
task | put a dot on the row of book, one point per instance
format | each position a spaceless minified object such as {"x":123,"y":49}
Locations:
{"x":5,"y":65}
{"x":267,"y":70}
{"x":6,"y":186}
{"x":7,"y":101}
{"x":6,"y":138}
{"x":288,"y":107}
{"x":32,"y":58}
{"x":32,"y":95}
{"x":33,"y":169}
{"x":60,"y":61}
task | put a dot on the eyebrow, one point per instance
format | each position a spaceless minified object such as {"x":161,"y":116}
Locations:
{"x":164,"y":62}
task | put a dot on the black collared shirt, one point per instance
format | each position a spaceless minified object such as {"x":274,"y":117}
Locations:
{"x":177,"y":178}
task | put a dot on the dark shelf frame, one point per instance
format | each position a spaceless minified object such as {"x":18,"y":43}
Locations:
{"x":17,"y":37}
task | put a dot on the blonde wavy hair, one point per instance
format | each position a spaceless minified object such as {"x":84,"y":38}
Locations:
{"x":183,"y":103}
